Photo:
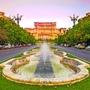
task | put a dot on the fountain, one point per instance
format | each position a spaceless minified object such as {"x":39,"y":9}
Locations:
{"x":45,"y":68}
{"x":44,"y":53}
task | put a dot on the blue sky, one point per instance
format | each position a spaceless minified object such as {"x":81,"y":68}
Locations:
{"x":45,"y":11}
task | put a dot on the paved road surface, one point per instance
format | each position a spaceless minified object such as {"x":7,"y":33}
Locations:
{"x":5,"y":54}
{"x":83,"y":54}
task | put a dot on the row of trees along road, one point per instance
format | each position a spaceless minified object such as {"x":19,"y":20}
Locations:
{"x":10,"y":32}
{"x":80,"y":33}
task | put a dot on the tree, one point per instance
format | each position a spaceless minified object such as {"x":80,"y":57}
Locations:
{"x":80,"y":33}
{"x":3,"y":36}
{"x":14,"y":32}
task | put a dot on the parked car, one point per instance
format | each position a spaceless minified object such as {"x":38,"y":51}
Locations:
{"x":88,"y":47}
{"x":12,"y":46}
{"x":1,"y":47}
{"x":16,"y":45}
{"x":23,"y":45}
{"x":76,"y":46}
{"x":80,"y":46}
{"x":7,"y":46}
{"x":28,"y":44}
{"x":19,"y":45}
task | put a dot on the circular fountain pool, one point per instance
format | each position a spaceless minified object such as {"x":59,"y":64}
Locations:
{"x":45,"y":68}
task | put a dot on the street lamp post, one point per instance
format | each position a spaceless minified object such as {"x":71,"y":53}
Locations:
{"x":17,"y":18}
{"x":74,"y":19}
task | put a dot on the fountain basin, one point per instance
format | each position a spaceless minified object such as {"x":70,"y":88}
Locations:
{"x":78,"y":67}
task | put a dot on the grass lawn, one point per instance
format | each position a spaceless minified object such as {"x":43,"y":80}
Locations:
{"x":9,"y":85}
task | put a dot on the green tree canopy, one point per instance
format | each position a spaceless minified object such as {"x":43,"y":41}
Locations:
{"x":3,"y":36}
{"x":14,"y":32}
{"x":80,"y":33}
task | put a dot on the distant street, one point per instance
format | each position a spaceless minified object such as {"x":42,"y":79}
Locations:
{"x":5,"y":54}
{"x":83,"y":54}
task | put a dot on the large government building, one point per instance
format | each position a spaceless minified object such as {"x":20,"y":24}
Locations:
{"x":45,"y":30}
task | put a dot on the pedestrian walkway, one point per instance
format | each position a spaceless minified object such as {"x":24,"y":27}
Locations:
{"x":44,"y":71}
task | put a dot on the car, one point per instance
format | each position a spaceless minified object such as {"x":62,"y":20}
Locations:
{"x":80,"y":46}
{"x":16,"y":46}
{"x":12,"y":46}
{"x":1,"y":47}
{"x":28,"y":44}
{"x":23,"y":45}
{"x":76,"y":46}
{"x":88,"y":47}
{"x":7,"y":46}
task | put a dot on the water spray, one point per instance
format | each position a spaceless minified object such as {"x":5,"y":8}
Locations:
{"x":44,"y":54}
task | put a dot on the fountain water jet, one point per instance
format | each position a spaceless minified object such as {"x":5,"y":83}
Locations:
{"x":44,"y":68}
{"x":44,"y":53}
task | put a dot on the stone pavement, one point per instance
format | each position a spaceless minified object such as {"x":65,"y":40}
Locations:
{"x":44,"y":72}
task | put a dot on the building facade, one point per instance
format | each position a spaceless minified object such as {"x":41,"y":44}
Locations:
{"x":45,"y":30}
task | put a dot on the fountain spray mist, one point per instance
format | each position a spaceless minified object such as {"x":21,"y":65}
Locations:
{"x":44,"y":52}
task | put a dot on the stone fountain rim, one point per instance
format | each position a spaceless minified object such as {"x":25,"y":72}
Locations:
{"x":7,"y":73}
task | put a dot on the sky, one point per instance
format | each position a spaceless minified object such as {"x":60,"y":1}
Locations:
{"x":45,"y":11}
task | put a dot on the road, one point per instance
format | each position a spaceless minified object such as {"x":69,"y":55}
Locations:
{"x":83,"y":54}
{"x":5,"y":54}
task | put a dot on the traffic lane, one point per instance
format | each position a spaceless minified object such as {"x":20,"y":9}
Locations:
{"x":74,"y":50}
{"x":83,"y":54}
{"x":5,"y":54}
